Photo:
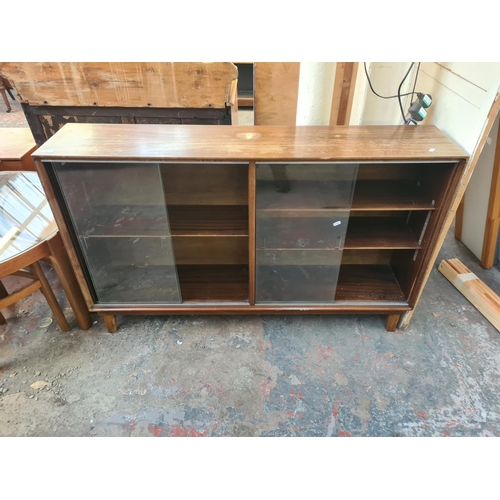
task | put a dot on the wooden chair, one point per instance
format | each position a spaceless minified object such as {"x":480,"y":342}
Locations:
{"x":29,"y":235}
{"x":18,"y":267}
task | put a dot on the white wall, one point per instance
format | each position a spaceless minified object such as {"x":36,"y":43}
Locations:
{"x":314,"y":101}
{"x":463,"y":94}
{"x":385,"y":78}
{"x":477,"y":196}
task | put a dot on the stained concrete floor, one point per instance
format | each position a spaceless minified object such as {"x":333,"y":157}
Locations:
{"x":254,"y":376}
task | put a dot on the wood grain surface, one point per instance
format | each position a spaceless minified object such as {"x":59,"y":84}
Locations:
{"x":131,"y":84}
{"x":264,"y":143}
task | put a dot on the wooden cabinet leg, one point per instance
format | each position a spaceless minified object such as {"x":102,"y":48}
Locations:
{"x":50,"y":297}
{"x":110,"y":322}
{"x":392,"y":322}
{"x":66,"y":275}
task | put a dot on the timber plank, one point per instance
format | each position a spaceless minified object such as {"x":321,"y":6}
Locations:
{"x":481,"y":296}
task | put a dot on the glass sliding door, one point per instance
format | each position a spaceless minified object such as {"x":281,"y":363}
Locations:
{"x":120,"y":223}
{"x":301,"y":224}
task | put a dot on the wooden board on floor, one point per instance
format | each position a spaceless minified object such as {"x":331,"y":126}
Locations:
{"x":482,"y":297}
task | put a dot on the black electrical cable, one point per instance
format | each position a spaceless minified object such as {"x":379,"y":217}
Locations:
{"x":381,"y":96}
{"x":416,"y":78}
{"x":399,"y":92}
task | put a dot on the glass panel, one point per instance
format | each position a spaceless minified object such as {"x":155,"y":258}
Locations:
{"x":120,"y":219}
{"x":301,"y":223}
{"x":25,"y":216}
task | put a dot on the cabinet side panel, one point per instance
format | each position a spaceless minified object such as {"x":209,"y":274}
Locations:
{"x":54,"y":197}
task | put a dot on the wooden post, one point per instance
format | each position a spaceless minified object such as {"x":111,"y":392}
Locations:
{"x":493,"y":217}
{"x":343,"y":93}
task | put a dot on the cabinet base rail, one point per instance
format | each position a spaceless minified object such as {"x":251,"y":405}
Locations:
{"x":109,"y":314}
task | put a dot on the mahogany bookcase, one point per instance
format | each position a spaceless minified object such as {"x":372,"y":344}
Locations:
{"x":196,"y":219}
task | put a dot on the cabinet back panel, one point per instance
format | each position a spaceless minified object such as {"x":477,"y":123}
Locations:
{"x":380,"y":257}
{"x":211,"y":250}
{"x":205,"y":183}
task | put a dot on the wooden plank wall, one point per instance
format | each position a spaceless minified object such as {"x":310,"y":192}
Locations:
{"x":275,"y":93}
{"x":130,"y":84}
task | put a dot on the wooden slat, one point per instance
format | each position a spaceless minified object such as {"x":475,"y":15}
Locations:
{"x":493,"y":217}
{"x":20,"y":294}
{"x":132,"y":84}
{"x":482,"y":297}
{"x":245,"y":308}
{"x":193,"y":142}
{"x":343,"y":93}
{"x":459,"y":219}
{"x":275,"y":93}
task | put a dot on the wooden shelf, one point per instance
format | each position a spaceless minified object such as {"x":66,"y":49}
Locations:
{"x":320,"y":196}
{"x":379,"y":233}
{"x":317,"y":234}
{"x":151,"y":221}
{"x":208,"y":220}
{"x":202,"y":283}
{"x":356,"y":283}
{"x":368,"y":283}
{"x":390,"y":195}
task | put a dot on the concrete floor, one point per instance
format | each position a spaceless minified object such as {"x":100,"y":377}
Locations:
{"x":254,"y":376}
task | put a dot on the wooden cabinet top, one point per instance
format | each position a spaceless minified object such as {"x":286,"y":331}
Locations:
{"x":15,"y":142}
{"x":108,"y":142}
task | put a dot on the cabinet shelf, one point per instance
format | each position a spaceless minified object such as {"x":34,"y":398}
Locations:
{"x":390,"y":195}
{"x":356,"y":283}
{"x":362,"y":233}
{"x":151,"y":221}
{"x":379,"y":233}
{"x":205,"y":283}
{"x":368,"y":283}
{"x":208,"y":220}
{"x":307,"y":196}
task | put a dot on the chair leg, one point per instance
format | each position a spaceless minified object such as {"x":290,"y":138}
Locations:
{"x":4,"y":95}
{"x":62,"y":267}
{"x":50,"y":297}
{"x":3,"y":293}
